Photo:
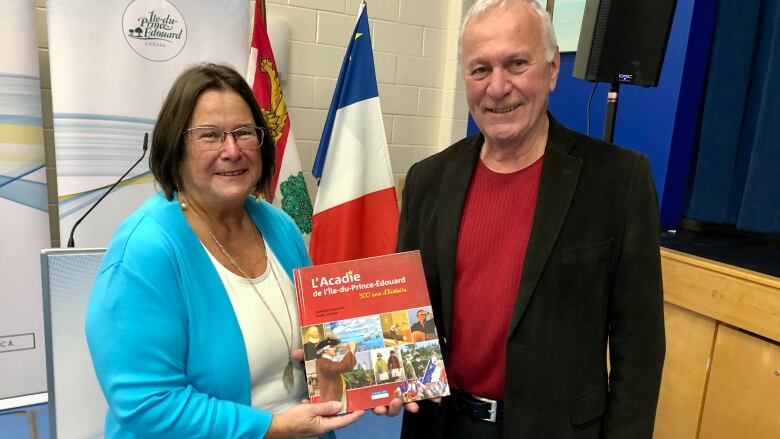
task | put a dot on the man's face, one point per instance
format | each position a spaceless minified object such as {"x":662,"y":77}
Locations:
{"x":331,"y":351}
{"x":506,"y":73}
{"x":421,"y":317}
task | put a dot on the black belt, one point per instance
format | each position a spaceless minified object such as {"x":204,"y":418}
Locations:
{"x":478,"y":407}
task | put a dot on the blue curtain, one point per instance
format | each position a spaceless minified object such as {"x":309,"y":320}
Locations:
{"x":737,"y":177}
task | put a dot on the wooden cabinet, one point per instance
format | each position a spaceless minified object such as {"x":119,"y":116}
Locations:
{"x":743,"y":393}
{"x":721,"y":376}
{"x":685,"y":372}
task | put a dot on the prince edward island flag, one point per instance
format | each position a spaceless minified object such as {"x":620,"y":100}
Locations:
{"x":288,"y":188}
{"x":356,"y":211}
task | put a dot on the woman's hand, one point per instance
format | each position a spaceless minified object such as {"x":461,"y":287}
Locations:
{"x":307,"y":420}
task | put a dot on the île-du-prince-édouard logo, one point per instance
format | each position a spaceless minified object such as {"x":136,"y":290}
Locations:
{"x":155,"y":30}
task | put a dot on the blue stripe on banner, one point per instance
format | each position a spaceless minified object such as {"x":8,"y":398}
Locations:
{"x":84,"y":116}
{"x":80,"y":200}
{"x":8,"y":179}
{"x":357,"y":82}
{"x":28,"y":193}
{"x":17,"y":76}
{"x":20,"y":120}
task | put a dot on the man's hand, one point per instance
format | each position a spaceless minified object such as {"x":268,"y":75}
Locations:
{"x":297,"y":355}
{"x":307,"y":420}
{"x":395,"y":407}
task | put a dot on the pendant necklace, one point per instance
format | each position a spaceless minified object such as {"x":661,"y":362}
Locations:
{"x":287,"y":378}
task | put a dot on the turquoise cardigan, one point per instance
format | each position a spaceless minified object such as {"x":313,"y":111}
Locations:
{"x":165,"y":342}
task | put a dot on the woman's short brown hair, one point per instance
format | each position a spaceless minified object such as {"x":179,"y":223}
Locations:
{"x":168,"y":149}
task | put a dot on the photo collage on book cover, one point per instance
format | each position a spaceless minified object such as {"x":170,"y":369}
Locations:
{"x":397,"y":347}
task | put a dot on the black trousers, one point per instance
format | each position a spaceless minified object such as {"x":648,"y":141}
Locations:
{"x":445,"y":421}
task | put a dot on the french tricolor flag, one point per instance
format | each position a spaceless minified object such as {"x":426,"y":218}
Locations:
{"x":356,"y":211}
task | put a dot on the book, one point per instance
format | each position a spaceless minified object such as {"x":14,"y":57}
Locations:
{"x":368,"y":332}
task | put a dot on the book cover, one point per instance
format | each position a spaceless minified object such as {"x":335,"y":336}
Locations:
{"x":368,"y":332}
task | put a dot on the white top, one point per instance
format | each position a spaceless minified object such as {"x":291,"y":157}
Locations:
{"x":266,"y":350}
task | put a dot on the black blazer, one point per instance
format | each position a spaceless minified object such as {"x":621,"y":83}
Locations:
{"x":592,"y":273}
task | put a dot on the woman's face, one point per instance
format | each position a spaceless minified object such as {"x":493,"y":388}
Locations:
{"x":223,"y":177}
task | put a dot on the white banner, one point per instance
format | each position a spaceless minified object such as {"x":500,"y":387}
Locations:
{"x":24,"y":220}
{"x":112,"y":63}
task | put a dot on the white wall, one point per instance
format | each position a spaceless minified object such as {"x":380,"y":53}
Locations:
{"x":415,"y":51}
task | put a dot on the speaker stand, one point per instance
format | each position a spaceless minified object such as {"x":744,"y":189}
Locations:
{"x":611,"y":113}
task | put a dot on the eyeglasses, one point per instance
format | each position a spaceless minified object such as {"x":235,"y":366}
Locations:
{"x":211,"y":138}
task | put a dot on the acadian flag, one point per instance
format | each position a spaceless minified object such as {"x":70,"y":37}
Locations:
{"x":356,"y":211}
{"x":288,"y":187}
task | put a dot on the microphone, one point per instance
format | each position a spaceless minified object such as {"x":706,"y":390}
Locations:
{"x":71,"y":244}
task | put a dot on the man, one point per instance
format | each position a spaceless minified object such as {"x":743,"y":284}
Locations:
{"x":310,"y":342}
{"x":394,"y":332}
{"x":329,"y":370}
{"x":540,"y":248}
{"x":419,"y":366}
{"x":425,"y":328}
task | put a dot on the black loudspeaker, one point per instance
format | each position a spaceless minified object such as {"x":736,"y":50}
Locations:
{"x":624,"y":41}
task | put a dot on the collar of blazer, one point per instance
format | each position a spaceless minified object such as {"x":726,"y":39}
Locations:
{"x":560,"y":173}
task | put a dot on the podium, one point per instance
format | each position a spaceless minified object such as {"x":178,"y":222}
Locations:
{"x":77,"y":408}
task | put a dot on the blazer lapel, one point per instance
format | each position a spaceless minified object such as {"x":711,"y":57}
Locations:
{"x":455,"y":182}
{"x":560,"y":173}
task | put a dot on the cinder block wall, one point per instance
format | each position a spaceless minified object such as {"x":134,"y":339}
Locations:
{"x":48,"y":120}
{"x":415,"y":53}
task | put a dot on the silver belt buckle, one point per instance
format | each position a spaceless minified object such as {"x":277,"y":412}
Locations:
{"x":493,"y":407}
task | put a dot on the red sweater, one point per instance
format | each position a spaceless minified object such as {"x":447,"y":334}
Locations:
{"x":492,"y":241}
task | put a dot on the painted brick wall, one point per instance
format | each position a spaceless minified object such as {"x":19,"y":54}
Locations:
{"x":48,"y":120}
{"x":415,"y":52}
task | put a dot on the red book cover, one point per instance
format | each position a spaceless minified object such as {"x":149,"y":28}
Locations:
{"x":368,"y":332}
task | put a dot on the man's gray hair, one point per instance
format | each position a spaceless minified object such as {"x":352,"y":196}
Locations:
{"x":481,"y":6}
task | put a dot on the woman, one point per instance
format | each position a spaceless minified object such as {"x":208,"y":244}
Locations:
{"x":192,"y":322}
